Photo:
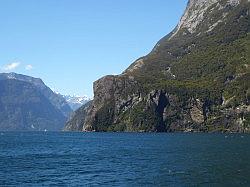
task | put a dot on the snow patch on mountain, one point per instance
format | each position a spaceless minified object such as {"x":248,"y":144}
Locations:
{"x":76,"y":101}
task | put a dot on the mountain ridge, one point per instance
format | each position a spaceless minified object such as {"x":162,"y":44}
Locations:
{"x":27,"y":104}
{"x":75,"y":101}
{"x":195,"y":79}
{"x":56,"y":99}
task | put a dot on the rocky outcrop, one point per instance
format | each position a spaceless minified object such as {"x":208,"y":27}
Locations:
{"x":198,"y":10}
{"x":197,"y":112}
{"x":109,"y":97}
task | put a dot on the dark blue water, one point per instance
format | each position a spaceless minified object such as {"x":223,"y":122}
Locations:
{"x":124,"y":159}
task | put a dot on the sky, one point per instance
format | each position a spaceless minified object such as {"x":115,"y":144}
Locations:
{"x":71,"y":43}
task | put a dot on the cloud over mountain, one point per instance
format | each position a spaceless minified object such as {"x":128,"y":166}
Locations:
{"x":28,"y":67}
{"x":10,"y":66}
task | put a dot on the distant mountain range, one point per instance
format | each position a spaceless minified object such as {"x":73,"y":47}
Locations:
{"x":27,"y":104}
{"x":76,"y":102}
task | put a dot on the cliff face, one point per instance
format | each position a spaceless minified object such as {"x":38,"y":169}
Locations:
{"x":77,"y":119}
{"x":195,"y":79}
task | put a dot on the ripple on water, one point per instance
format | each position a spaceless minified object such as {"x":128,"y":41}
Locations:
{"x":124,"y":159}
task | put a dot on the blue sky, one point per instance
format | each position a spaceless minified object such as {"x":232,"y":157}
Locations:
{"x":72,"y":43}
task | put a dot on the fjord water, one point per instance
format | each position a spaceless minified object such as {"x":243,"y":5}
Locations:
{"x":124,"y":159}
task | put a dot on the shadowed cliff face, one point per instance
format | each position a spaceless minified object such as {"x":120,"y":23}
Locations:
{"x":195,"y":79}
{"x":109,"y":92}
{"x":23,"y":107}
{"x":27,"y":104}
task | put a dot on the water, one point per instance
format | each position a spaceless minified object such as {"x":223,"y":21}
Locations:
{"x":124,"y":159}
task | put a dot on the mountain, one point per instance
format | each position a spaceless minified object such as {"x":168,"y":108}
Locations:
{"x":195,"y":79}
{"x":26,"y":103}
{"x":76,"y":121}
{"x":76,"y":102}
{"x":56,"y":99}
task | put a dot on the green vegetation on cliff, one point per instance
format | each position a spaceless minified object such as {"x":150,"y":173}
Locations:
{"x":197,"y":78}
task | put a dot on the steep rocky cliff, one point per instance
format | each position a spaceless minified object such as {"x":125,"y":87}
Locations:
{"x":76,"y":120}
{"x":195,"y":79}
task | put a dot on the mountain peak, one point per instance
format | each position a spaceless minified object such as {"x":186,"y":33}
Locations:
{"x":55,"y":99}
{"x":197,"y":10}
{"x":75,"y":101}
{"x":25,"y":78}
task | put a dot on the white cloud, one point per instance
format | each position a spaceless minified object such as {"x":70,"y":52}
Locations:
{"x":11,"y":66}
{"x":28,"y":67}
